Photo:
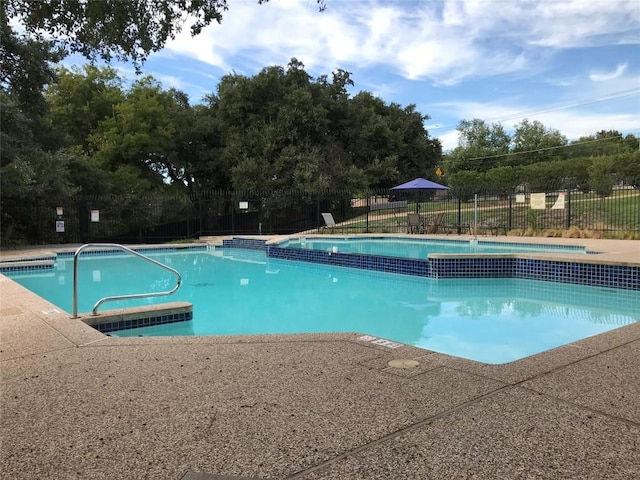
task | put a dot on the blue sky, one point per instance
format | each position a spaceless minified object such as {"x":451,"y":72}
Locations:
{"x":573,"y":65}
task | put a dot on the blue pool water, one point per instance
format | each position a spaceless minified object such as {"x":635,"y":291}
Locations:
{"x":418,"y":248}
{"x":244,"y":292}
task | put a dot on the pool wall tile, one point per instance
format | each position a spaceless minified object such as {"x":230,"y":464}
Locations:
{"x":26,"y":266}
{"x":144,"y":250}
{"x":128,"y":318}
{"x":47,"y":263}
{"x":594,"y":274}
{"x":246,"y":243}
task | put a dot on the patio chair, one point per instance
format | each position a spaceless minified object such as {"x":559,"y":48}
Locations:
{"x":433,"y":225}
{"x":458,"y":228}
{"x":329,"y":221}
{"x":413,"y":222}
{"x":398,"y":223}
{"x":492,"y":226}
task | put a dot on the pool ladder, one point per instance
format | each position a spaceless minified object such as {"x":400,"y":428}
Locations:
{"x":117,"y":297}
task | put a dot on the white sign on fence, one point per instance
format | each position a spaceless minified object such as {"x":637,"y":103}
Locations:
{"x":538,"y":201}
{"x":559,"y":205}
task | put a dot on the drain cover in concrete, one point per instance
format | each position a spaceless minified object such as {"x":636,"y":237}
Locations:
{"x":403,"y":363}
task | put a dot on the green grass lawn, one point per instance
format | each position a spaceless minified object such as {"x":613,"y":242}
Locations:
{"x":617,"y":213}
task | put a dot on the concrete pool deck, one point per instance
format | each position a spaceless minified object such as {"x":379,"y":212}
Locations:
{"x":75,"y":403}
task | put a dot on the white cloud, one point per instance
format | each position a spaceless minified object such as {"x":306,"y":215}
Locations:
{"x":571,"y":122}
{"x":445,"y":41}
{"x":604,"y":77}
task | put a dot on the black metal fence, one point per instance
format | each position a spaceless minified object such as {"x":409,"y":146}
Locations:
{"x":133,"y":219}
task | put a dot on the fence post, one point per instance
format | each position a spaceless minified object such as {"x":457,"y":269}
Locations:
{"x":83,"y":218}
{"x":199,"y":200}
{"x":475,"y":214}
{"x":568,"y":207}
{"x":510,"y":216}
{"x":368,"y":208}
{"x":233,"y":213}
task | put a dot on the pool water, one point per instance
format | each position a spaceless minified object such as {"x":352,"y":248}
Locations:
{"x":244,"y":292}
{"x":409,"y":248}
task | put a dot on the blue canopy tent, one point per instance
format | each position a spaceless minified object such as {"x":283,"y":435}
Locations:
{"x":419,"y":185}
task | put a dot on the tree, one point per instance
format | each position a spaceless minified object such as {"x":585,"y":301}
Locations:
{"x":503,"y":180}
{"x":627,"y":167}
{"x":605,"y":142}
{"x":466,"y":183}
{"x":81,"y":99}
{"x":481,"y":146}
{"x":26,"y":65}
{"x":282,"y":130}
{"x":601,"y":175}
{"x":29,"y":170}
{"x":533,"y":142}
{"x":31,"y":167}
{"x":144,"y":133}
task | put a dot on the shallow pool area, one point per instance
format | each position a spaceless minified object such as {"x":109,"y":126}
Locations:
{"x":418,"y":248}
{"x":239,"y":291}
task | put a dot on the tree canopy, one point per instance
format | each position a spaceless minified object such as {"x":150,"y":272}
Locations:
{"x":107,"y":29}
{"x":279,"y":129}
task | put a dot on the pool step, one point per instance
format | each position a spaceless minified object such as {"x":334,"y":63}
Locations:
{"x":150,"y":315}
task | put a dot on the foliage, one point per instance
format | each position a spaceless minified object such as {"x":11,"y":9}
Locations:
{"x":601,"y":176}
{"x":465,"y":184}
{"x":532,"y":142}
{"x":480,"y":145}
{"x":503,"y":180}
{"x":114,"y":29}
{"x":627,"y":167}
{"x":26,"y":66}
{"x":80,"y":99}
{"x":282,"y":129}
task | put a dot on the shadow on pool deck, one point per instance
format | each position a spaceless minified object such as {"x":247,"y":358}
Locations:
{"x":78,"y":404}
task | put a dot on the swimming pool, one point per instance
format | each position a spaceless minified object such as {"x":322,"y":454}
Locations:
{"x":417,"y":248}
{"x":236,"y":291}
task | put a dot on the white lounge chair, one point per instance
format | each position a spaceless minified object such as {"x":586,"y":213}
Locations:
{"x":329,"y":221}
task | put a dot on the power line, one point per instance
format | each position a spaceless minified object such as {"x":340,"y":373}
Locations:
{"x":500,"y":155}
{"x":579,"y":103}
{"x":558,"y":107}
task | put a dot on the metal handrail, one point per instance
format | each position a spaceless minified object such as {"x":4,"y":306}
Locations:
{"x":119,"y":297}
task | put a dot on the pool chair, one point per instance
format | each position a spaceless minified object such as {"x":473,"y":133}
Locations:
{"x":434,"y":223}
{"x":329,"y":222}
{"x":493,"y":226}
{"x":413,"y":222}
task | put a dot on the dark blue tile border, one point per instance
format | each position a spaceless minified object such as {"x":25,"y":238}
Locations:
{"x":143,"y":322}
{"x":143,"y":250}
{"x":246,"y":243}
{"x":32,"y":259}
{"x":595,"y":274}
{"x":24,"y":268}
